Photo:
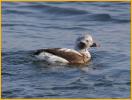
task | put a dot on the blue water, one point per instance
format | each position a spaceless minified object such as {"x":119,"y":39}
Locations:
{"x":28,"y":26}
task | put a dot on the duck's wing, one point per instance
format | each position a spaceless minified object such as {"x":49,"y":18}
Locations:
{"x":69,"y":54}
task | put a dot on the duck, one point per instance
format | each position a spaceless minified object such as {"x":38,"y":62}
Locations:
{"x":78,"y":55}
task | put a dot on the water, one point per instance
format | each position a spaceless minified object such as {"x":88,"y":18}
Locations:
{"x":35,"y":25}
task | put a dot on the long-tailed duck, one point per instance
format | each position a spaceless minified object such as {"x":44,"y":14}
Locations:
{"x":80,"y":55}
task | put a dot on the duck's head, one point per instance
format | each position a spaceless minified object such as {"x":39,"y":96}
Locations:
{"x":85,"y":42}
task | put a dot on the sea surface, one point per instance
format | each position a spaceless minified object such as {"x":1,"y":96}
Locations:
{"x":28,"y":26}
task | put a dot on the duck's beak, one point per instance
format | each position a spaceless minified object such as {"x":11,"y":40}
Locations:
{"x":95,"y":45}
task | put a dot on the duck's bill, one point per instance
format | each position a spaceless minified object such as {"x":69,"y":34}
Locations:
{"x":95,"y":45}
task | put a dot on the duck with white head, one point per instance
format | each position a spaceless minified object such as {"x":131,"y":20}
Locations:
{"x":80,"y":55}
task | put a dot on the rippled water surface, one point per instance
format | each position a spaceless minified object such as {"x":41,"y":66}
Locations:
{"x":30,"y":26}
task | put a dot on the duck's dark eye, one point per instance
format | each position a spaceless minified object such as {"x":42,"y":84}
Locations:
{"x":87,"y":41}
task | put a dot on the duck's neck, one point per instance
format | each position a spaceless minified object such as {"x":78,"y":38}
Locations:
{"x":84,"y":51}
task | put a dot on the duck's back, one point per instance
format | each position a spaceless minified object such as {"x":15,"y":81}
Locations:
{"x":69,"y":56}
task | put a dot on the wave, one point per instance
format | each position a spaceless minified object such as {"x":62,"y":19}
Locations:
{"x":101,"y":17}
{"x":21,"y":24}
{"x":121,"y":20}
{"x":8,"y":74}
{"x":96,"y":17}
{"x":62,"y":13}
{"x":66,"y":28}
{"x":21,"y":12}
{"x":57,"y":10}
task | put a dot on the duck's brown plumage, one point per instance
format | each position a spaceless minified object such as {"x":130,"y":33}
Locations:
{"x":72,"y":57}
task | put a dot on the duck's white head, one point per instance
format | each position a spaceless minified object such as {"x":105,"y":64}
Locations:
{"x":84,"y":42}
